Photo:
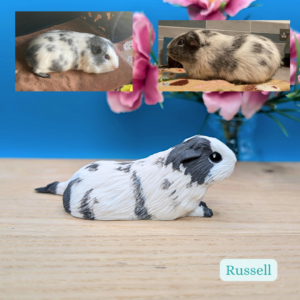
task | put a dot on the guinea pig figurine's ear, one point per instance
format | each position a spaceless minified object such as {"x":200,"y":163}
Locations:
{"x":192,"y":40}
{"x":189,"y":154}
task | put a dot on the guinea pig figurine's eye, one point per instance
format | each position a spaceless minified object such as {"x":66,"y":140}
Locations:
{"x":215,"y":157}
{"x":107,"y":56}
{"x":181,"y":42}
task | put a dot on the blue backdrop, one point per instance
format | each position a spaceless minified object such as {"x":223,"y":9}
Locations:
{"x":80,"y":124}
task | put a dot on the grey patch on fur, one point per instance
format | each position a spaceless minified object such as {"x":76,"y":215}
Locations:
{"x":63,"y":39}
{"x":98,"y":48}
{"x":70,"y":42}
{"x":67,"y":194}
{"x":124,"y":162}
{"x":173,"y":193}
{"x":125,"y":169}
{"x":85,"y":208}
{"x":262,"y":62}
{"x":209,"y":33}
{"x":239,"y":41}
{"x":140,"y":209}
{"x":160,"y":162}
{"x":49,"y":38}
{"x":75,"y":61}
{"x":56,"y":64}
{"x":92,"y":167}
{"x":257,"y":48}
{"x":189,"y":185}
{"x":82,"y":53}
{"x":166,"y":184}
{"x":198,"y":168}
{"x":225,"y":61}
{"x":262,"y":38}
{"x":50,"y":188}
{"x":50,"y":48}
{"x":31,"y":55}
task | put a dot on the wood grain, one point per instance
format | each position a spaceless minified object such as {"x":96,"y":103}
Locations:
{"x":47,"y":254}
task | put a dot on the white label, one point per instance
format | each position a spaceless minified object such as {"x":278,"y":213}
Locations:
{"x":248,"y":269}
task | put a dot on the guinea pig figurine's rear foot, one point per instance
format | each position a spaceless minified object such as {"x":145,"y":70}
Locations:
{"x":201,"y":211}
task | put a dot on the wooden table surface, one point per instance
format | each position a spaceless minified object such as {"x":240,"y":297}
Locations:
{"x":48,"y":254}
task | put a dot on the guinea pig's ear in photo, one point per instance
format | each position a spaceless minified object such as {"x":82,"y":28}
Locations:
{"x":189,"y":154}
{"x":192,"y":40}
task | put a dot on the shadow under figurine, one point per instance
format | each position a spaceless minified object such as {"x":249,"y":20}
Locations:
{"x":63,"y":50}
{"x":164,"y":186}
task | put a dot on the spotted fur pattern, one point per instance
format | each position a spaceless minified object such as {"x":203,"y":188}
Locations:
{"x":164,"y":186}
{"x":63,"y":50}
{"x":207,"y":54}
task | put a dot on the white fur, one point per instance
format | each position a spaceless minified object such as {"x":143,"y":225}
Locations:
{"x":66,"y":53}
{"x":113,"y":198}
{"x":248,"y":69}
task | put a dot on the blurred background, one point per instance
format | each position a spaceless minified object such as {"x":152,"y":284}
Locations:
{"x":81,"y":124}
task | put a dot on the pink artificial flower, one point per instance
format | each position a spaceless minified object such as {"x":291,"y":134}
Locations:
{"x":229,"y":103}
{"x":252,"y":102}
{"x":293,"y":69}
{"x":210,"y":9}
{"x":293,"y":50}
{"x":145,"y":75}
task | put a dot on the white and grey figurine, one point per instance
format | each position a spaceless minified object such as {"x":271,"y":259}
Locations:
{"x":164,"y":186}
{"x":63,"y":50}
{"x":207,"y":54}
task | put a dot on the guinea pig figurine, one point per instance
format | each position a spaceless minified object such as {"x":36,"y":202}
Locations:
{"x":164,"y":186}
{"x":63,"y":50}
{"x":207,"y":54}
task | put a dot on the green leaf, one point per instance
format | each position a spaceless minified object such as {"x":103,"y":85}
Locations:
{"x":254,"y":5}
{"x":288,"y":116}
{"x":204,"y":123}
{"x":291,"y":95}
{"x":222,"y":6}
{"x":161,"y":105}
{"x":298,"y":60}
{"x":278,"y":123}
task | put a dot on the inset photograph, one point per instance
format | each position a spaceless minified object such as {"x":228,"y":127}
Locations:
{"x":73,"y":51}
{"x":224,"y":56}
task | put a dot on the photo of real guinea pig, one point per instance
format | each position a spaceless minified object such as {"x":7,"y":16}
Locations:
{"x":63,"y":50}
{"x":164,"y":186}
{"x":208,"y":54}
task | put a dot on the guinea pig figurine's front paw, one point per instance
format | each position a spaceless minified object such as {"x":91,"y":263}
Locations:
{"x":201,"y":211}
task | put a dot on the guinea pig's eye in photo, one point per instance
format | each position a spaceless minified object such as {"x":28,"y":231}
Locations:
{"x":215,"y":157}
{"x":107,"y":56}
{"x":181,"y":42}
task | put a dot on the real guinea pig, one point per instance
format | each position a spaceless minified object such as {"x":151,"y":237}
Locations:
{"x":207,"y":54}
{"x":63,"y":50}
{"x":164,"y":186}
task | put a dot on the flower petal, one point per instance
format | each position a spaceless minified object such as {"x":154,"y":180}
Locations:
{"x":114,"y":102}
{"x":152,"y":95}
{"x":141,"y":33}
{"x":252,"y":102}
{"x":293,"y":67}
{"x":228,"y":103}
